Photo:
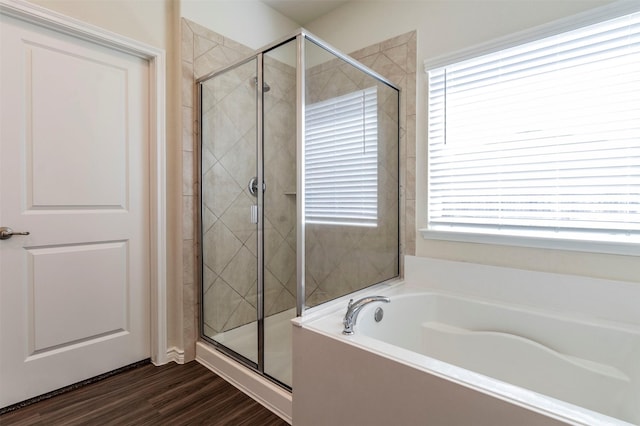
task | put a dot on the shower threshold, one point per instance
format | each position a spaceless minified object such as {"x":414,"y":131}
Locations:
{"x":277,"y":351}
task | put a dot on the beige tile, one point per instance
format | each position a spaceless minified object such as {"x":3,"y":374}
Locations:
{"x":369,"y":60}
{"x":204,"y":32}
{"x":411,"y":54}
{"x":219,"y":303}
{"x":238,"y":217}
{"x":238,"y":47}
{"x":188,"y":216}
{"x":284,"y":301}
{"x":208,"y":277}
{"x":398,"y":55}
{"x":316,"y":84}
{"x":317,"y":297}
{"x":189,"y":298}
{"x":240,"y":273}
{"x":410,"y":214}
{"x":292,"y":285}
{"x":283,"y":263}
{"x":208,"y":160}
{"x":339,"y":84}
{"x":210,"y":332}
{"x":187,"y":129}
{"x":319,"y":263}
{"x":186,"y":49}
{"x":281,"y":214}
{"x":188,"y":87}
{"x":403,"y":154}
{"x":272,"y":288}
{"x":396,"y":41}
{"x":219,"y":247}
{"x":245,"y":313}
{"x":403,"y":171}
{"x":219,"y":190}
{"x":187,"y":173}
{"x":219,"y":134}
{"x":240,"y":106}
{"x":410,"y":191}
{"x":389,"y":69}
{"x":411,"y":243}
{"x":367,"y":51}
{"x":188,"y":262}
{"x":309,"y":284}
{"x":252,"y":243}
{"x":292,"y":238}
{"x":410,"y":90}
{"x":272,"y":240}
{"x":210,"y":61}
{"x":361,"y":79}
{"x":411,"y":136}
{"x":202,"y":45}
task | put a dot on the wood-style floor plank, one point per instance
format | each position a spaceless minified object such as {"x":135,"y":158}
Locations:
{"x":172,"y":394}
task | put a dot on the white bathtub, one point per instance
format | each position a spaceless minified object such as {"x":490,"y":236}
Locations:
{"x":444,"y":354}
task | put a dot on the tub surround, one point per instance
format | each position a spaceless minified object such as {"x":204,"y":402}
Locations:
{"x":379,"y":376}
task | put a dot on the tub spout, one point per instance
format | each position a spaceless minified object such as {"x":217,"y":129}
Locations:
{"x":353,"y":309}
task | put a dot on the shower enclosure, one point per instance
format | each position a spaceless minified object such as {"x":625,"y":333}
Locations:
{"x":299,"y":193}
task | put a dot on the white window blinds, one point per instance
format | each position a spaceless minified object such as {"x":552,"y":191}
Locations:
{"x":341,"y":160}
{"x":542,"y":138}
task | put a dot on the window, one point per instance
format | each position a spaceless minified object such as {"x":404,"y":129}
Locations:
{"x":541,"y":139}
{"x":341,"y":164}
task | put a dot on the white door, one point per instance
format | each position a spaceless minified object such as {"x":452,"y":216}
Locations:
{"x":74,"y":136}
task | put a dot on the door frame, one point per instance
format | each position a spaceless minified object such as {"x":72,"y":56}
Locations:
{"x":155,"y":57}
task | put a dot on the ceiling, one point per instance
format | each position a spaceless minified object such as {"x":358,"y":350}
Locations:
{"x":304,"y":11}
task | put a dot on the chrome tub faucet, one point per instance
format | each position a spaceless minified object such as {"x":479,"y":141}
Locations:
{"x":354,"y":308}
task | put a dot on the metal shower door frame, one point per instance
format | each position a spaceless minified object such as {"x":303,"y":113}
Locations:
{"x":300,"y":36}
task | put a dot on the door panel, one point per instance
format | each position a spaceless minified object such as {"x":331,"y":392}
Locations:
{"x":104,"y":299}
{"x":74,"y":294}
{"x":51,"y":74}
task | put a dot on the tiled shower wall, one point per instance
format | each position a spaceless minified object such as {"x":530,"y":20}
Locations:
{"x":395,"y":59}
{"x":204,"y":51}
{"x":344,"y":259}
{"x":341,"y":259}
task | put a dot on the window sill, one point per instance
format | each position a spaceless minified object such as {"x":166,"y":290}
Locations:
{"x":631,"y":248}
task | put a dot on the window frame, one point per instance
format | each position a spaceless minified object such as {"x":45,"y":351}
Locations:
{"x":587,"y":243}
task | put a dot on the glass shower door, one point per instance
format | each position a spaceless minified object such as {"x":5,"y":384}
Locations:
{"x":229,"y":210}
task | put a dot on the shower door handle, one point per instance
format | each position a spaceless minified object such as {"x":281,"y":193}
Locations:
{"x":254,"y":213}
{"x":253,"y":186}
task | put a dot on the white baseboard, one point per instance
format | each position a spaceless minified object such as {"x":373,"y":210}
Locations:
{"x":175,"y":354}
{"x":270,"y":395}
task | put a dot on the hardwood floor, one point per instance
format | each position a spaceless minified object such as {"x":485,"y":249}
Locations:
{"x":172,"y":394}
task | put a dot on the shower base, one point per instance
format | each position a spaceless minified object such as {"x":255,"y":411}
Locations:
{"x":277,"y":361}
{"x":277,"y":350}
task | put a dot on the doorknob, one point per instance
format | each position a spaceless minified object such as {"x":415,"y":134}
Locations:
{"x":6,"y":233}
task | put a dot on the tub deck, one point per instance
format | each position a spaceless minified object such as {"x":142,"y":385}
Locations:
{"x":562,"y":362}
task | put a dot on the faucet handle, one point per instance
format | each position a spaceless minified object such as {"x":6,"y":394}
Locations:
{"x":350,"y":304}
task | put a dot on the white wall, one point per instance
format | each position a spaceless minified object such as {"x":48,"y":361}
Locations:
{"x":249,"y":22}
{"x":447,"y":26}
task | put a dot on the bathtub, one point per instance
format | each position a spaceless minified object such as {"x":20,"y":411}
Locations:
{"x":488,"y":351}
